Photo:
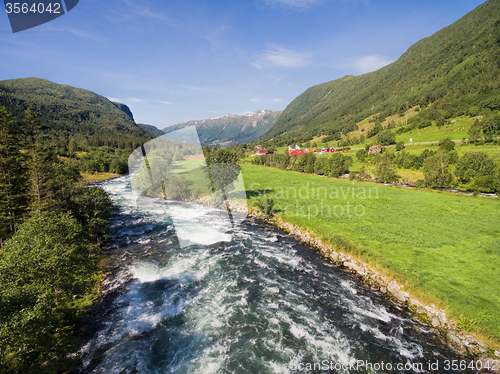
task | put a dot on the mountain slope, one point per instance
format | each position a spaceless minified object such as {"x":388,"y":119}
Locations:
{"x":457,"y":70}
{"x":68,"y":112}
{"x":153,"y":130}
{"x":232,"y":128}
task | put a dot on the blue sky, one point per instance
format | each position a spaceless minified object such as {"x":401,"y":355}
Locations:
{"x":174,"y":61}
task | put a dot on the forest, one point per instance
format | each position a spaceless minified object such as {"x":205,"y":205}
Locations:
{"x":52,"y":227}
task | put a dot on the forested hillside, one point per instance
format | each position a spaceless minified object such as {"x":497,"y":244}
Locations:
{"x":232,"y":128}
{"x":454,"y":72}
{"x":51,"y":226}
{"x":153,"y":130}
{"x":64,"y":112}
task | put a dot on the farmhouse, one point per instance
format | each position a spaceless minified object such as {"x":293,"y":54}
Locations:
{"x":260,"y":152}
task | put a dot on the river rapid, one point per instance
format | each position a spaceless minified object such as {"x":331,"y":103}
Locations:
{"x":256,"y":301}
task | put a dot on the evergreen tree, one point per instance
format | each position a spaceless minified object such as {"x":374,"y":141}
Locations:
{"x":14,"y":180}
{"x":41,"y":160}
{"x":47,"y":269}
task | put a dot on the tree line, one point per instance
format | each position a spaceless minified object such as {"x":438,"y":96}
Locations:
{"x":51,"y":226}
{"x":442,"y":168}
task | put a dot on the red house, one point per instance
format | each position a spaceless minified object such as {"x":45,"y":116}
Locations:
{"x":260,"y":152}
{"x":297,"y":152}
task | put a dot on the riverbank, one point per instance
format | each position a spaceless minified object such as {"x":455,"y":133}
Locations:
{"x":428,"y":315}
{"x":440,"y":246}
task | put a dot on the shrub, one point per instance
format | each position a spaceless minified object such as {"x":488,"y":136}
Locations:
{"x":473,"y":165}
{"x":436,"y":171}
{"x":266,"y":206}
{"x":338,"y":164}
{"x":48,"y":272}
{"x":386,"y":138}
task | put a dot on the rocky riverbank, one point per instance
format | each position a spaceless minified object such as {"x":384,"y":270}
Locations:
{"x":430,"y":316}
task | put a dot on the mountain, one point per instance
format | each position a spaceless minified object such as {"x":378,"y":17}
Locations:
{"x":153,"y":130}
{"x":454,"y":72}
{"x":124,"y":108}
{"x":232,"y":128}
{"x":65,"y":112}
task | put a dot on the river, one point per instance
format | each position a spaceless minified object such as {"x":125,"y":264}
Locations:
{"x":257,"y":301}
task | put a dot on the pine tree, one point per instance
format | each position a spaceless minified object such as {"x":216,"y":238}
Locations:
{"x":40,"y":162}
{"x":14,"y":180}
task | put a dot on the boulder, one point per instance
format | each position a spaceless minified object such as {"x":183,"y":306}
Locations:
{"x":456,"y":343}
{"x":351,"y":266}
{"x":435,"y":322}
{"x":421,"y":310}
{"x":392,"y":287}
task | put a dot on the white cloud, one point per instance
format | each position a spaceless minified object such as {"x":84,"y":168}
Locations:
{"x":254,"y":100}
{"x":282,"y":57}
{"x":277,"y":100}
{"x":165,"y":102}
{"x":371,"y":63}
{"x":135,"y":100}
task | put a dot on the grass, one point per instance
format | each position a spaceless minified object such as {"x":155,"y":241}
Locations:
{"x":456,"y":130}
{"x":444,"y":247}
{"x":90,"y":178}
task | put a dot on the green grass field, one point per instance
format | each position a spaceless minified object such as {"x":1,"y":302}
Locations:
{"x":444,"y":247}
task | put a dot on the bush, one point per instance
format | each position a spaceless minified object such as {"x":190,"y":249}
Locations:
{"x":361,"y":155}
{"x":491,"y":126}
{"x":478,"y":170}
{"x":375,"y":130}
{"x":386,"y":138}
{"x":400,"y":146}
{"x":384,"y":171}
{"x":118,"y":166}
{"x":48,"y":271}
{"x":436,"y":171}
{"x":266,"y":206}
{"x":338,"y":164}
{"x":447,"y":144}
{"x":321,"y":166}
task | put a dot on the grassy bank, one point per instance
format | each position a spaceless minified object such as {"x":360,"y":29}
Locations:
{"x":445,"y":248}
{"x":90,"y":178}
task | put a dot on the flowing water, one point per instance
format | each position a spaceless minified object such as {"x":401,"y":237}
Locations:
{"x":258,"y":301}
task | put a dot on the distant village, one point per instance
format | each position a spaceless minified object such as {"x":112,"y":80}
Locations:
{"x":296,"y":151}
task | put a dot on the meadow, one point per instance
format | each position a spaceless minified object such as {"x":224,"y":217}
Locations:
{"x":443,"y":247}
